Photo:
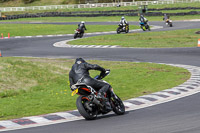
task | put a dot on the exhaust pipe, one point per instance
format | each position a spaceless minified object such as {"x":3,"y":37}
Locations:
{"x":94,"y":100}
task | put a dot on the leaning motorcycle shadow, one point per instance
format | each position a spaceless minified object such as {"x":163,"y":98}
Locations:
{"x":109,"y":116}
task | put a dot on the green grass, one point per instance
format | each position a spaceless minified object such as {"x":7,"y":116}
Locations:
{"x":177,"y":11}
{"x":20,"y":3}
{"x":105,"y":19}
{"x":35,"y":86}
{"x":162,"y":39}
{"x":73,"y":19}
{"x":59,"y":2}
{"x":99,"y":19}
{"x":50,"y":29}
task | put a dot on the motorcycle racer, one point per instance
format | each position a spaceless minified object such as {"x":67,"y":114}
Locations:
{"x":80,"y":73}
{"x":123,"y":22}
{"x":167,"y":20}
{"x":81,"y":26}
{"x":142,"y":19}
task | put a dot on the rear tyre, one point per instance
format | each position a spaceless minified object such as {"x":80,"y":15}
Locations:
{"x":118,"y":106}
{"x":86,"y":113}
{"x":143,"y":28}
{"x":171,"y":25}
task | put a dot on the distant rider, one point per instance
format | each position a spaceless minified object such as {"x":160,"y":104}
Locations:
{"x":142,"y":19}
{"x":80,"y":72}
{"x":166,"y":18}
{"x":81,"y":26}
{"x":123,"y":22}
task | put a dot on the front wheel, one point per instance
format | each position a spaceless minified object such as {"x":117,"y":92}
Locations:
{"x":149,"y":28}
{"x":118,"y":30}
{"x":75,"y":35}
{"x":81,"y":35}
{"x":127,"y":30}
{"x":117,"y":105}
{"x":82,"y":104}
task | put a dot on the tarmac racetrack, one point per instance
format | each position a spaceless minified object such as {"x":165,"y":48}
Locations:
{"x":179,"y":116}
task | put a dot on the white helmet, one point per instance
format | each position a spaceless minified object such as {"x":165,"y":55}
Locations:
{"x":122,"y":17}
{"x":82,"y":22}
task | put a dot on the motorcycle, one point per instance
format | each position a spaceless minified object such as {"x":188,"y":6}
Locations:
{"x":169,"y":22}
{"x":122,"y":28}
{"x":78,"y":33}
{"x":145,"y":26}
{"x":89,"y":105}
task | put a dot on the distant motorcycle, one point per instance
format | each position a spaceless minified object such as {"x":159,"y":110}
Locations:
{"x":169,"y":22}
{"x":89,"y":106}
{"x":78,"y":33}
{"x":122,"y":28}
{"x":145,"y":26}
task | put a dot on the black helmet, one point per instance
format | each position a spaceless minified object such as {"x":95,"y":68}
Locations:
{"x":79,"y":60}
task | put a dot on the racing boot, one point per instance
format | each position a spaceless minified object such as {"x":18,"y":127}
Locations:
{"x":100,"y":96}
{"x":107,"y":105}
{"x":105,"y":101}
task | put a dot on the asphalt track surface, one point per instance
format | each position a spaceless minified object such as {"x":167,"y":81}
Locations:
{"x":179,"y":116}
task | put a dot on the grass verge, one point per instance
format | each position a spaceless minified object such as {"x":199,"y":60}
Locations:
{"x":35,"y":86}
{"x":99,"y":19}
{"x":162,"y":39}
{"x":50,"y":29}
{"x":17,"y":3}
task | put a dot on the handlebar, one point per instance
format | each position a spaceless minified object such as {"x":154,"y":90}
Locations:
{"x":102,"y":76}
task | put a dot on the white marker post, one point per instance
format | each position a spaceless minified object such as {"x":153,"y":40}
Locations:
{"x":198,"y":43}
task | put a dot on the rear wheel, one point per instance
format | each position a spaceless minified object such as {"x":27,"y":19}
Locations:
{"x":89,"y":114}
{"x":142,"y":27}
{"x":118,"y":105}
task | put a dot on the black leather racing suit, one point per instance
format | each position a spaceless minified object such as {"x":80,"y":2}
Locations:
{"x":82,"y":27}
{"x":80,"y":71}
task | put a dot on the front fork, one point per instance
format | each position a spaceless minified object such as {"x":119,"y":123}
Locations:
{"x":113,"y":94}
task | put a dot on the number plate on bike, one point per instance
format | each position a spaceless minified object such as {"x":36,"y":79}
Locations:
{"x":74,"y":92}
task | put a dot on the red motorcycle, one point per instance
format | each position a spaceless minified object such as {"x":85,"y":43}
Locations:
{"x":89,"y":105}
{"x":78,"y":33}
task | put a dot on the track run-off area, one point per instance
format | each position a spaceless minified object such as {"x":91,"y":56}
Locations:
{"x":178,"y":116}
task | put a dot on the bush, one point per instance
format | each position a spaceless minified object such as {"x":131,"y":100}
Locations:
{"x":28,"y":1}
{"x":145,"y":0}
{"x":1,"y":1}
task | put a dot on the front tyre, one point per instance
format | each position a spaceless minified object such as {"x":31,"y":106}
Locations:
{"x":127,"y":30}
{"x":75,"y":35}
{"x":118,"y":105}
{"x":83,"y":110}
{"x":118,"y":30}
{"x":81,"y":35}
{"x":149,"y":28}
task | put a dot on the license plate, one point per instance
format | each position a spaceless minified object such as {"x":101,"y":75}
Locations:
{"x":74,"y":92}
